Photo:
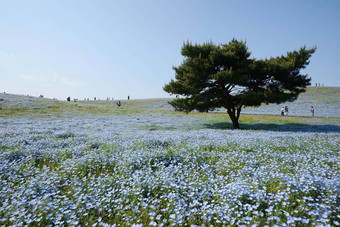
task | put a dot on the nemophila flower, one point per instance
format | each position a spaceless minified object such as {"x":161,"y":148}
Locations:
{"x":153,"y":223}
{"x":204,"y":185}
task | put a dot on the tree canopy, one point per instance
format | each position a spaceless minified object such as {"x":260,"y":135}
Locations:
{"x":214,"y":76}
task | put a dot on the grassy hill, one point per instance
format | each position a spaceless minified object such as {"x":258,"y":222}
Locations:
{"x":325,"y":101}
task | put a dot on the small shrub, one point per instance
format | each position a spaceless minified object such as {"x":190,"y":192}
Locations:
{"x":66,"y":135}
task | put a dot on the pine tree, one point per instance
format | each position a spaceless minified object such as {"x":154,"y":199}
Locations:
{"x":214,"y":76}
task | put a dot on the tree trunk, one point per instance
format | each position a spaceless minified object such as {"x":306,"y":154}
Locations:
{"x":234,"y":113}
{"x":234,"y":119}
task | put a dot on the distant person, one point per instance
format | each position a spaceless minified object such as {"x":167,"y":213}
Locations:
{"x":128,"y":97}
{"x":312,"y":110}
{"x":68,"y":99}
{"x":118,"y":103}
{"x":286,"y":110}
{"x":282,"y":111}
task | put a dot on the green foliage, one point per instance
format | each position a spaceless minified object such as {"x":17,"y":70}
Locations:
{"x":2,"y":147}
{"x":213,"y":76}
{"x":66,"y":135}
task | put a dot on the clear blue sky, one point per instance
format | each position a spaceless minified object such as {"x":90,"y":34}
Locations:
{"x":109,"y":48}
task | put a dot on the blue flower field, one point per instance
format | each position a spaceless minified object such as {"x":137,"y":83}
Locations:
{"x":137,"y":167}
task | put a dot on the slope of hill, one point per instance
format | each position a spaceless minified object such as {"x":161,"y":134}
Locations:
{"x":325,"y":100}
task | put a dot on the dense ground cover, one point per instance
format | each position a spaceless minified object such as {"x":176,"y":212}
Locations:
{"x":325,"y":100}
{"x":145,"y":167}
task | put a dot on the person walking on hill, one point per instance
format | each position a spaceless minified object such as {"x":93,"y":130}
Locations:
{"x":286,"y":110}
{"x":282,"y":111}
{"x":312,"y":110}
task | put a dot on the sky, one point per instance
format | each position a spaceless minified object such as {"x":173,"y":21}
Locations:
{"x":115,"y":48}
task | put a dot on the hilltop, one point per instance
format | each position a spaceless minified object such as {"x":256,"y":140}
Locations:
{"x":159,"y":114}
{"x":326,"y":101}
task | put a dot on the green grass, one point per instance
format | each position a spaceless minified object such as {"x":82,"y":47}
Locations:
{"x":47,"y":108}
